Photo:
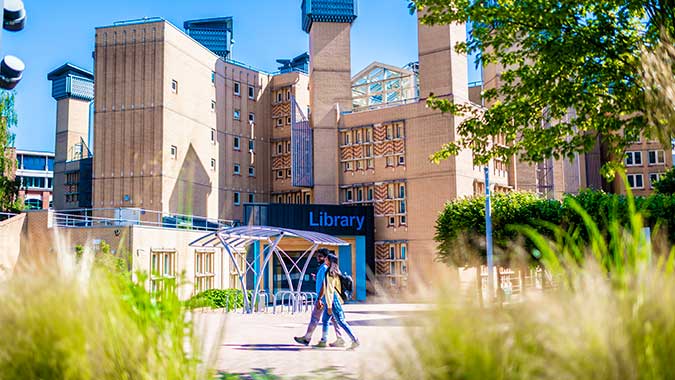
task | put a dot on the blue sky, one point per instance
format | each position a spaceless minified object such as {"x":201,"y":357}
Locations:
{"x":264,"y":30}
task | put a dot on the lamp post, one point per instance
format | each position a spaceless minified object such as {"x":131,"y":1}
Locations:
{"x":13,"y":20}
{"x":488,"y":234}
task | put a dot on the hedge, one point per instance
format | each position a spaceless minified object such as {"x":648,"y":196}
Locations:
{"x":463,"y":220}
{"x":217,"y":299}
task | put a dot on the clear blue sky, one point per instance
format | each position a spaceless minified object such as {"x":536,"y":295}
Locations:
{"x":264,"y":30}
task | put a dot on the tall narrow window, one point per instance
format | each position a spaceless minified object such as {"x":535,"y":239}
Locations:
{"x":251,"y":171}
{"x":237,"y":169}
{"x":213,"y":105}
{"x":237,"y":198}
{"x":237,"y":115}
{"x":213,"y":135}
{"x":174,"y":86}
{"x":237,"y":145}
{"x":173,"y":151}
{"x":251,"y":198}
{"x":237,"y":88}
{"x":213,"y":164}
{"x":251,"y":117}
{"x":251,"y":92}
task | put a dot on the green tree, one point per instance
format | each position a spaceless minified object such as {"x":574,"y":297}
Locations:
{"x":571,"y":74}
{"x":9,"y":187}
{"x":666,"y":184}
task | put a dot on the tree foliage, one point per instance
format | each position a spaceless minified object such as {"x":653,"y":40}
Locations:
{"x":462,"y":221}
{"x":9,"y":187}
{"x":666,"y":184}
{"x":571,"y":74}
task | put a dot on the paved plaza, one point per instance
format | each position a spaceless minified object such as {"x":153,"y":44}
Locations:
{"x":264,"y":343}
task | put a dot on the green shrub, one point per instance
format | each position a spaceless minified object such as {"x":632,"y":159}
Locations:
{"x":231,"y":299}
{"x":463,"y":220}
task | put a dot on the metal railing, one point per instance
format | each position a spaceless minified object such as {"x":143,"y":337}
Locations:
{"x":109,"y":217}
{"x":6,"y":215}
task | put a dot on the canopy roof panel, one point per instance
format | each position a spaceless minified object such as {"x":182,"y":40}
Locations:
{"x":240,"y":237}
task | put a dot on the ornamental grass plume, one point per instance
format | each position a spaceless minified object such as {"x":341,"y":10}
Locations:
{"x":610,"y":317}
{"x":86,"y":319}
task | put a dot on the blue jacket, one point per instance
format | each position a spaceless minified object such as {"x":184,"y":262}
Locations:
{"x":320,"y":275}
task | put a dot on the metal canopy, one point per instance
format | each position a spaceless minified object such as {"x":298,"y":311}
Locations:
{"x":236,"y":240}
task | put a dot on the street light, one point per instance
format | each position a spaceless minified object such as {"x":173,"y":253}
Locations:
{"x":13,"y":20}
{"x":488,"y":234}
{"x":14,"y":15}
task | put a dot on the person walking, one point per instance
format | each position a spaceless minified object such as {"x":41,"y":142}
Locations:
{"x":331,"y":294}
{"x":318,"y":310}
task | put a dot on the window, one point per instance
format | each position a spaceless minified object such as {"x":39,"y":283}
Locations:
{"x":251,"y":117}
{"x":359,"y":195}
{"x":237,"y":88}
{"x":348,"y":195}
{"x":213,"y":135}
{"x":392,"y":252}
{"x":280,"y":148}
{"x":237,"y":115}
{"x":162,"y":269}
{"x":653,"y":178}
{"x":657,"y":157}
{"x":389,"y":161}
{"x":174,"y":86}
{"x":288,"y":173}
{"x":213,"y":164}
{"x":401,"y":161}
{"x":280,"y":122}
{"x":236,"y":143}
{"x":251,"y":171}
{"x":401,"y":191}
{"x":213,"y":105}
{"x":251,"y":92}
{"x":635,"y":181}
{"x":237,"y":169}
{"x":633,"y":158}
{"x":251,"y":198}
{"x":33,"y":204}
{"x":288,"y":95}
{"x":401,"y":207}
{"x":34,"y":163}
{"x":390,"y":132}
{"x":392,"y":221}
{"x":237,"y":198}
{"x":251,"y":146}
{"x":279,"y":97}
{"x":402,"y":220}
{"x":357,"y":137}
{"x":348,"y":166}
{"x":288,"y":120}
{"x":370,"y":194}
{"x":173,"y":151}
{"x":280,"y":174}
{"x":204,"y":274}
{"x":213,"y":78}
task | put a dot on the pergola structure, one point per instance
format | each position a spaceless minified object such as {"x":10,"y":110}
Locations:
{"x":238,"y":239}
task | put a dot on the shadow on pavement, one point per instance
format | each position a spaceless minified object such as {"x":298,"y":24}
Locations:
{"x":328,"y":373}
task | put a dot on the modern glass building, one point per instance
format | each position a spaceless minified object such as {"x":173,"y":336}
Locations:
{"x":214,"y":33}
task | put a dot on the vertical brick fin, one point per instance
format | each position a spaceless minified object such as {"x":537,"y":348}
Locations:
{"x":302,"y":148}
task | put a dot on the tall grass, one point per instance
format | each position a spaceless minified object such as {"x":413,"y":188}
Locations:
{"x":612,"y":317}
{"x":87,"y":319}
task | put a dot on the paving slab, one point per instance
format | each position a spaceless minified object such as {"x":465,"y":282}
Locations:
{"x":264,"y":342}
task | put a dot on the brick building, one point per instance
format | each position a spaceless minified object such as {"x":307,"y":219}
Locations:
{"x":181,"y":130}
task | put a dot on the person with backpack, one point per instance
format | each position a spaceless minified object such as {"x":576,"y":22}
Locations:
{"x":318,"y":310}
{"x":333,"y":296}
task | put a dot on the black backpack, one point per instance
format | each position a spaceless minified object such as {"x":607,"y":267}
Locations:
{"x":347,"y":286}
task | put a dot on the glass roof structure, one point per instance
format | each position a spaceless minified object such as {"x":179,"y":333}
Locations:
{"x":380,"y":85}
